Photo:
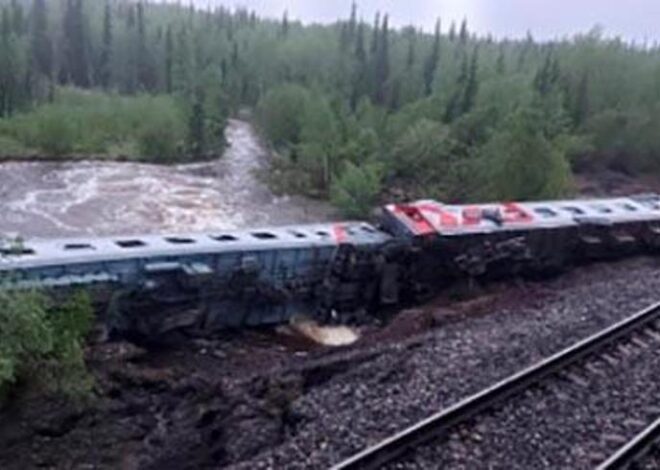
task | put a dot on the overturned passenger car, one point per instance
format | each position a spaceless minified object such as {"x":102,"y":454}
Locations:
{"x":200,"y":283}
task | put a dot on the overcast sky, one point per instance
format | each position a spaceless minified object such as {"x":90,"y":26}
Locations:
{"x":546,"y":19}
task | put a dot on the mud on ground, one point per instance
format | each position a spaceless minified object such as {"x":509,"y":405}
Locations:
{"x":225,"y":401}
{"x":204,"y":403}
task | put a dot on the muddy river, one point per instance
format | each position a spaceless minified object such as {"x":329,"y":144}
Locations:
{"x":46,"y":199}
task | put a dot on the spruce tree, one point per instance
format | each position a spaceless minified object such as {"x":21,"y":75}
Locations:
{"x":581,"y":106}
{"x":500,"y":64}
{"x":285,"y":25}
{"x":7,"y":60}
{"x":41,"y":47}
{"x":463,"y":36}
{"x":374,"y":37}
{"x":352,"y":23}
{"x":382,"y":64}
{"x":471,"y":84}
{"x":169,"y":60}
{"x":361,"y":74}
{"x":146,"y":78}
{"x":452,"y":32}
{"x":18,"y":18}
{"x":196,"y":126}
{"x":105,"y":67}
{"x":75,"y":67}
{"x":432,"y":61}
{"x":411,"y":56}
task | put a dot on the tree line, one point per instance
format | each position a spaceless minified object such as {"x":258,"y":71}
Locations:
{"x":356,"y":109}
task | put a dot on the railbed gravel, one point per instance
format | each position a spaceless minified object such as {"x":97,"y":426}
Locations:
{"x":651,"y":461}
{"x":573,"y":420}
{"x":408,"y":381}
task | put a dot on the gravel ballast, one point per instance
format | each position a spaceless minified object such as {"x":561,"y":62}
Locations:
{"x":571,"y":420}
{"x":410,"y":380}
{"x":259,"y":399}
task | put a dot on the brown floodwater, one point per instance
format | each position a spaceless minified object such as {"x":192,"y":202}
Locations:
{"x":53,"y":199}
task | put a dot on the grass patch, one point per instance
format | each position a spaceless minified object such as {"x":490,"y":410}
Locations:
{"x":144,"y":127}
{"x":41,"y":345}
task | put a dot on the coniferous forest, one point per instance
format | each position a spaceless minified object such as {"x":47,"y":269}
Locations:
{"x":355,"y":110}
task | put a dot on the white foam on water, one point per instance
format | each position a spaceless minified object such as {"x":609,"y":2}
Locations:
{"x":107,"y":198}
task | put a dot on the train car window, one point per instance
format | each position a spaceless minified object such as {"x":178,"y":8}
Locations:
{"x":130,"y":243}
{"x":78,"y":246}
{"x":573,"y":210}
{"x":17,"y":251}
{"x":224,"y":238}
{"x":179,"y":240}
{"x":323,"y":234}
{"x":602,"y":209}
{"x":298,"y":234}
{"x":545,"y":212}
{"x":629,"y":207}
{"x":264,"y":236}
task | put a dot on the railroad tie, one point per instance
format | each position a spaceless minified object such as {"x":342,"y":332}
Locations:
{"x":639,"y":342}
{"x":634,"y":423}
{"x":576,"y":379}
{"x":653,"y":334}
{"x":611,"y":360}
{"x":595,"y":370}
{"x":613,"y":438}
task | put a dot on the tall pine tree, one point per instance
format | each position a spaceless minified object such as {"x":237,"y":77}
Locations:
{"x":431,"y":64}
{"x":41,"y":47}
{"x":382,"y":64}
{"x":75,"y":61}
{"x":105,"y":65}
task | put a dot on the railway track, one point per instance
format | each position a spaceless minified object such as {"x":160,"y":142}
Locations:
{"x":444,"y":422}
{"x":635,"y":450}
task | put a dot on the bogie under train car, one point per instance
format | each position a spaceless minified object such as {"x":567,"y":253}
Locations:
{"x":152,"y":285}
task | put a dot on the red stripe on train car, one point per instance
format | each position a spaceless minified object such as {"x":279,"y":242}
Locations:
{"x":446,"y":219}
{"x":514,"y":213}
{"x":420,"y":225}
{"x":340,"y":233}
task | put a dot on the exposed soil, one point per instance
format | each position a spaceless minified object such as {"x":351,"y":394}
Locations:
{"x":262,"y":399}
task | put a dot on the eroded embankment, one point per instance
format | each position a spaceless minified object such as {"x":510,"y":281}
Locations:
{"x":266,"y":400}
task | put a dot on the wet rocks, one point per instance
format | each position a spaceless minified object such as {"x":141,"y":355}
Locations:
{"x":401,"y":385}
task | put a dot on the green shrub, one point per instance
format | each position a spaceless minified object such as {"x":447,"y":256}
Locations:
{"x":43,"y":346}
{"x":10,"y":146}
{"x":80,"y":122}
{"x":520,"y":163}
{"x":281,"y":114}
{"x":356,"y":190}
{"x":54,"y":132}
{"x":162,"y":131}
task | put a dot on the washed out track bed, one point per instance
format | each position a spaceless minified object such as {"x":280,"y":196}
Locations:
{"x":265,"y":400}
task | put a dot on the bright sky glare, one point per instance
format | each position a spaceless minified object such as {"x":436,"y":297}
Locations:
{"x":637,"y":20}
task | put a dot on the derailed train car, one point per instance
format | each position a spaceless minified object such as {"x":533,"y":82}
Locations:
{"x":471,"y":241}
{"x":152,"y":285}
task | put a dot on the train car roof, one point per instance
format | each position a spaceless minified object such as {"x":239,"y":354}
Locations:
{"x":429,"y":217}
{"x":52,"y":252}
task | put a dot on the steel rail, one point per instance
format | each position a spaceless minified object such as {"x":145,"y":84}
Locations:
{"x":634,"y":450}
{"x":440,"y":423}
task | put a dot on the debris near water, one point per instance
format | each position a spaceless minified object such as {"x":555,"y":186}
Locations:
{"x":325,"y":335}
